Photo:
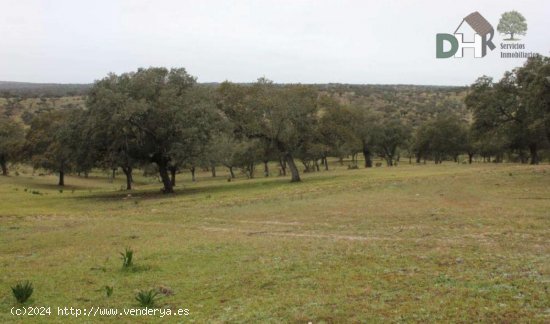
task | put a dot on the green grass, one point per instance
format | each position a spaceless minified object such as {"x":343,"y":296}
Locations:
{"x":412,"y":243}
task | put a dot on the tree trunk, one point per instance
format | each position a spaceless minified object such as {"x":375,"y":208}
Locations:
{"x":293,"y":168}
{"x":326,"y":163}
{"x":173,"y":170}
{"x":231,"y":173}
{"x":317,"y":165}
{"x":251,"y":168}
{"x":306,"y":166}
{"x":266,"y":169}
{"x":470,"y":157}
{"x":128,"y":173}
{"x":283,"y":165}
{"x":367,"y":155}
{"x":213,"y":169}
{"x":114,"y":173}
{"x":193,"y":174}
{"x":61,"y":174}
{"x":61,"y":178}
{"x":534,"y":154}
{"x":4,"y":166}
{"x":163,"y":171}
{"x":162,"y":164}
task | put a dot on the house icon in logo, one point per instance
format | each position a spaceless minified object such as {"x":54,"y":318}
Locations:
{"x":473,"y":24}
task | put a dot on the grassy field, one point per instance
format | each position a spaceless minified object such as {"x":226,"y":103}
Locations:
{"x":435,"y":243}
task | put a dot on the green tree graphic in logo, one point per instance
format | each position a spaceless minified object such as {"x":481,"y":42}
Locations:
{"x":512,"y":23}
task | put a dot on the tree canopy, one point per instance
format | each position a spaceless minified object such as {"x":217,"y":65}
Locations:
{"x":517,"y":107}
{"x":161,"y":120}
{"x":12,"y":138}
{"x":151,"y":115}
{"x":283,"y":116}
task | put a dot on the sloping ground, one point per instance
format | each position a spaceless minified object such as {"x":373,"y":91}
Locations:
{"x":411,"y":243}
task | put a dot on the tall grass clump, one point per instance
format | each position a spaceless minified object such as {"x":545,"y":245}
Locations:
{"x":127,"y":258}
{"x":22,"y":291}
{"x":146,"y":298}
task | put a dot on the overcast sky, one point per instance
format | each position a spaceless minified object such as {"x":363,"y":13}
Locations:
{"x":73,"y":41}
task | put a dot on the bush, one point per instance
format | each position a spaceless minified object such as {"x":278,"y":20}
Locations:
{"x":146,"y":298}
{"x":22,"y":291}
{"x":127,"y":257}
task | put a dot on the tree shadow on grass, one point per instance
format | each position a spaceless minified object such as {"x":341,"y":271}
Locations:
{"x":54,"y":187}
{"x":87,"y":186}
{"x":221,"y":187}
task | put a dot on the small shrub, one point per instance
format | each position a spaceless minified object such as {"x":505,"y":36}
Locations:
{"x":166,"y":291}
{"x":147,"y":298}
{"x":127,"y":257}
{"x":109,"y":290}
{"x":22,"y":291}
{"x":60,"y":190}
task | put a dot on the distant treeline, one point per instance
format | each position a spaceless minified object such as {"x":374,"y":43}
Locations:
{"x":412,"y":103}
{"x":9,"y":89}
{"x":36,"y":90}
